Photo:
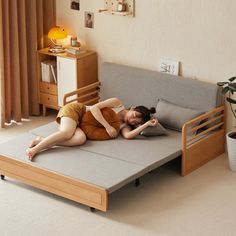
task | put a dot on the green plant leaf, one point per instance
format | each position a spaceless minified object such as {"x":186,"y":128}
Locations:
{"x":232,"y":79}
{"x":225,"y":90}
{"x":230,"y":100}
{"x":232,"y":86}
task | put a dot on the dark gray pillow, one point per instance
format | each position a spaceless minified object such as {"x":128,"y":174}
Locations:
{"x":154,"y":131}
{"x":174,"y":116}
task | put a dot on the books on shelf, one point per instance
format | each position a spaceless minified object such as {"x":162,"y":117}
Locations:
{"x":49,"y":71}
{"x":54,"y":72}
{"x":75,"y":50}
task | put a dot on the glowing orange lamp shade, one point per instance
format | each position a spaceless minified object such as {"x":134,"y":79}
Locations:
{"x":57,"y":33}
{"x":54,"y":34}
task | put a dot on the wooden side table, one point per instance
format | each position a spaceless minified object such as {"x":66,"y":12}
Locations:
{"x":72,"y":72}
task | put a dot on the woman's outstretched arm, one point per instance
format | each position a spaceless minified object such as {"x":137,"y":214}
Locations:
{"x":128,"y":133}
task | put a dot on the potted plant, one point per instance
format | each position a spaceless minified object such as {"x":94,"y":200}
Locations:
{"x":228,"y":88}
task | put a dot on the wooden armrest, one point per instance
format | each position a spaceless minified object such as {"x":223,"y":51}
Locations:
{"x":89,"y":92}
{"x":202,"y":145}
{"x":197,"y":129}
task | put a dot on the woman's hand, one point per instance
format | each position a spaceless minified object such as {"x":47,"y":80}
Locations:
{"x":111,"y":131}
{"x":152,"y":122}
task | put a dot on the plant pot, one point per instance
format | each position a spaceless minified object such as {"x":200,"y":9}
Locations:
{"x":231,"y":147}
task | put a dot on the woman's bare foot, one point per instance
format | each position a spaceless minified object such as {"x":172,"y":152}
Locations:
{"x":30,"y":153}
{"x":35,"y":142}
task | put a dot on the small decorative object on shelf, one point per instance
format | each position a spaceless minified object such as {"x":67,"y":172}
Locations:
{"x":121,"y":6}
{"x":118,"y":7}
{"x":74,"y":42}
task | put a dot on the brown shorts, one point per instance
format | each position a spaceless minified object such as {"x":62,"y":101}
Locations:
{"x":74,"y":111}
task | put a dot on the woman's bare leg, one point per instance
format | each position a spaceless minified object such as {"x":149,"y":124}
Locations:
{"x":66,"y":131}
{"x":79,"y":138}
{"x":35,"y":141}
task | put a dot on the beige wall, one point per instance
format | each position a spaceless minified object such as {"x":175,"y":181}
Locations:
{"x":200,"y":34}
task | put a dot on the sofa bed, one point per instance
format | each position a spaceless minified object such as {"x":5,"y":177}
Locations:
{"x":88,"y":174}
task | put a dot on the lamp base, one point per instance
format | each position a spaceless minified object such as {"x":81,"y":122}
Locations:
{"x":56,"y":50}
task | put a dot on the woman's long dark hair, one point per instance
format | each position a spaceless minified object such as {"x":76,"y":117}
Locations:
{"x":145,"y":112}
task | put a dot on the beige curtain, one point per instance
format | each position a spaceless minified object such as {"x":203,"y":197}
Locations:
{"x":24,"y":25}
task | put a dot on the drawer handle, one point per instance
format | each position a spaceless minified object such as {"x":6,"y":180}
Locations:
{"x":48,"y":99}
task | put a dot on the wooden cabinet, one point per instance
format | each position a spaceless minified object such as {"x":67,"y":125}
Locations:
{"x":48,"y":95}
{"x":72,"y":72}
{"x":66,"y":77}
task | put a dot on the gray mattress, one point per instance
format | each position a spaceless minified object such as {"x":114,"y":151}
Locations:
{"x":109,"y":164}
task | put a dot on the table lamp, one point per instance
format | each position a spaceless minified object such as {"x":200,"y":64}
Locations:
{"x":54,"y":34}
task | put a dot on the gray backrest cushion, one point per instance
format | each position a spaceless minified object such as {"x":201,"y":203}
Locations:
{"x":173,"y":116}
{"x":135,"y":86}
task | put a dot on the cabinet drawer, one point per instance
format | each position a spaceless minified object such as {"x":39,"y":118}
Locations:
{"x":48,"y":100}
{"x":48,"y":88}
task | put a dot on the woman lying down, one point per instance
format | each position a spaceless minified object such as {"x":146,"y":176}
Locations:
{"x":71,"y":134}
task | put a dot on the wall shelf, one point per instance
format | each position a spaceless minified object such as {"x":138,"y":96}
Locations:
{"x":110,"y":7}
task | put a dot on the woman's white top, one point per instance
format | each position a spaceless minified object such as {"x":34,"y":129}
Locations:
{"x":118,"y":109}
{"x":115,"y":109}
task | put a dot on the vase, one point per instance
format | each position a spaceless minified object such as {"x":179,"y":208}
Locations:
{"x":231,"y":147}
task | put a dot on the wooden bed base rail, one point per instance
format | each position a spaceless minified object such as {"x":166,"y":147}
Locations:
{"x":87,"y":194}
{"x":87,"y":95}
{"x":203,"y":139}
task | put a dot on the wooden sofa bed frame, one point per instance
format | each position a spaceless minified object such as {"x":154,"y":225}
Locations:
{"x":197,"y":149}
